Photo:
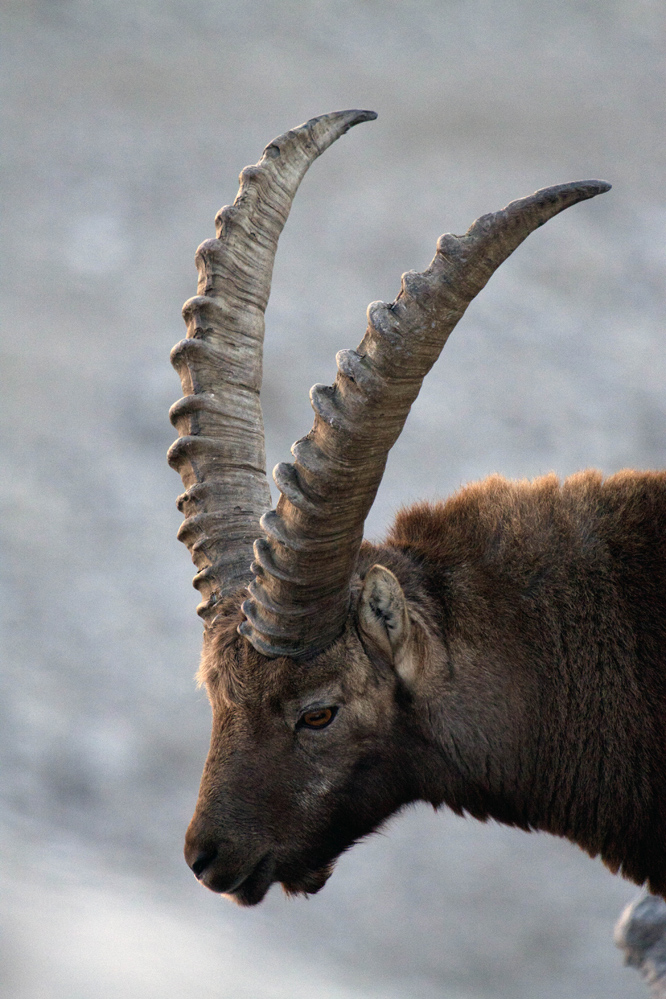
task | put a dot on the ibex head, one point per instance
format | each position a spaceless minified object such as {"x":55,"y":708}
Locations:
{"x":316,"y":659}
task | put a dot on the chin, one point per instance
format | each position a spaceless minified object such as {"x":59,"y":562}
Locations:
{"x":309,"y":883}
{"x":248,"y":895}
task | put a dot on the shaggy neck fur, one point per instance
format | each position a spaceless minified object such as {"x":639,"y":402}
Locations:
{"x":545,"y":696}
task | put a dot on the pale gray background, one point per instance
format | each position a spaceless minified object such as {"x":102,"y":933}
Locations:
{"x":124,"y":127}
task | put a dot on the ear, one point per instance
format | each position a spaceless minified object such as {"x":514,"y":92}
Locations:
{"x":383,"y":617}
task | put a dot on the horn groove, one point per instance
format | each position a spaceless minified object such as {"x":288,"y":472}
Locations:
{"x":300,"y":598}
{"x":220,"y":452}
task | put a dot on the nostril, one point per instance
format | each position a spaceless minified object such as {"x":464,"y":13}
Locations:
{"x":203,"y":860}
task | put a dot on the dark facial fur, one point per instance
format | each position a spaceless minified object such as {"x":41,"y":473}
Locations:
{"x":282,"y":797}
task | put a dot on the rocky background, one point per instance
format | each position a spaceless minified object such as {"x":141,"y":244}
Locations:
{"x":124,"y":127}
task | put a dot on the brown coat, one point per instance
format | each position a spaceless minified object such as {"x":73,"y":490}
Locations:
{"x":528,"y":685}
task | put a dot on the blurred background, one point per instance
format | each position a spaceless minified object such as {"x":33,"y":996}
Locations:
{"x":124,"y":127}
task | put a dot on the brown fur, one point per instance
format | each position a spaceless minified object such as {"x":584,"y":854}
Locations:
{"x":536,"y":693}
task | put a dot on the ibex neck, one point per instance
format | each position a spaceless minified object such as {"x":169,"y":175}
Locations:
{"x":550,"y":685}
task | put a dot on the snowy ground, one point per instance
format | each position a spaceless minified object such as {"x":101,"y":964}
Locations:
{"x":124,"y":128}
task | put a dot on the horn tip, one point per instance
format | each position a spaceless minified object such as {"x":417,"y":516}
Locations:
{"x":588,"y":188}
{"x":340,"y":119}
{"x":360,"y":116}
{"x":577,"y":190}
{"x":353,"y":116}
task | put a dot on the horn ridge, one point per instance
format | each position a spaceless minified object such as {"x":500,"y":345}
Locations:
{"x":220,"y":452}
{"x":357,"y":421}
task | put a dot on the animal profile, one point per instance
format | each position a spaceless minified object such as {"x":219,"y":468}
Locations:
{"x":502,"y":652}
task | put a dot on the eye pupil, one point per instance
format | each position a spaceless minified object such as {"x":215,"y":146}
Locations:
{"x":318,"y":719}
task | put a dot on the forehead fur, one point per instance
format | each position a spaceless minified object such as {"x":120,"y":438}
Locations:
{"x":229,"y":663}
{"x":232,"y":667}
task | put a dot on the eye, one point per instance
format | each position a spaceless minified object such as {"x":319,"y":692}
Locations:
{"x":319,"y":718}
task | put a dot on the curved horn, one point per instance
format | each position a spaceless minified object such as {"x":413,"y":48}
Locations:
{"x":220,"y":452}
{"x":299,"y":598}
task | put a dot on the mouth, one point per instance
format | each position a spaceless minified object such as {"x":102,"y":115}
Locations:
{"x":252,"y":889}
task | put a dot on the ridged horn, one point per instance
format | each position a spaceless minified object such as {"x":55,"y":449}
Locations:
{"x":220,"y":450}
{"x":299,"y":598}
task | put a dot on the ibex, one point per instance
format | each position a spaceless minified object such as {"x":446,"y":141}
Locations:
{"x":502,"y":653}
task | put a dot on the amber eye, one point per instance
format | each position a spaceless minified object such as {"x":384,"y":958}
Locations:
{"x":317,"y":719}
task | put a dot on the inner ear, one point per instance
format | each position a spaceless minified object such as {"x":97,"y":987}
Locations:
{"x":382,"y":612}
